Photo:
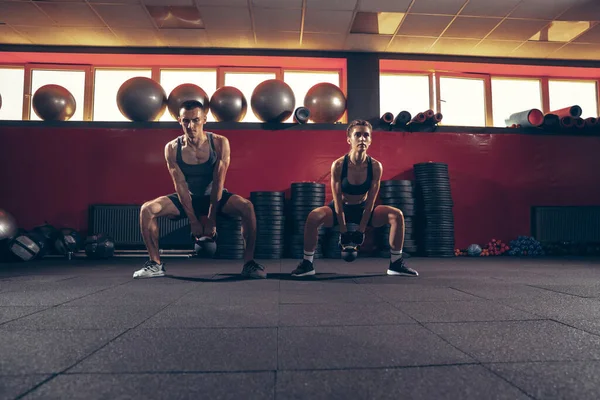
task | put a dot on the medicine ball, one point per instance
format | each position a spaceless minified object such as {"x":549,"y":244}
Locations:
{"x":49,"y":234}
{"x":100,"y":246}
{"x":27,"y":246}
{"x":68,"y":241}
{"x":205,"y":247}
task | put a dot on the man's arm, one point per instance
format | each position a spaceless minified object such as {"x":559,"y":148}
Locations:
{"x":371,"y":195}
{"x":181,"y":186}
{"x":223,"y":160}
{"x":336,"y":189}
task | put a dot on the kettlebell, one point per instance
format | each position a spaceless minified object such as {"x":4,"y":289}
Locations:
{"x":349,"y":253}
{"x":205,"y":247}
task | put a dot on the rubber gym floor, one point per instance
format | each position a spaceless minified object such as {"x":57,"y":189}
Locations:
{"x":466,"y":328}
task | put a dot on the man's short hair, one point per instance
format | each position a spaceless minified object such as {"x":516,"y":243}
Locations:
{"x":190,"y":105}
{"x":358,"y":122}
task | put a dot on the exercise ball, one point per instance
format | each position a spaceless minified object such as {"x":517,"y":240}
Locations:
{"x":205,"y":247}
{"x":326,"y":103}
{"x":183,"y":93}
{"x":26,"y":246}
{"x":8,"y":225}
{"x":53,"y":103}
{"x":273,"y":101}
{"x":228,"y":104}
{"x":141,"y":99}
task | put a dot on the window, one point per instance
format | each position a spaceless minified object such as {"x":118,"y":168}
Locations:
{"x":246,"y":82}
{"x":510,"y":96}
{"x":569,"y":93}
{"x":206,"y":79}
{"x":302,"y":81}
{"x":462,"y":101}
{"x":72,"y":80}
{"x":106,"y":85}
{"x":398,"y":92}
{"x":11,"y":88}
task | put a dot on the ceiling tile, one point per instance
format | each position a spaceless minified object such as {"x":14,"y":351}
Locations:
{"x":317,"y":21}
{"x":71,"y":14}
{"x":114,"y":1}
{"x":517,"y":29}
{"x":322,"y":41}
{"x":448,"y":7}
{"x":169,"y":2}
{"x":226,"y":18}
{"x":489,"y":8}
{"x":365,"y":42}
{"x":471,"y":27}
{"x":453,"y":46}
{"x":176,"y":17}
{"x":9,"y":36}
{"x":562,"y":31}
{"x":579,"y":51}
{"x":591,"y":36}
{"x":139,"y":37}
{"x":49,"y":35}
{"x":294,"y":4}
{"x":424,"y":25}
{"x":280,"y":40}
{"x":536,"y":49}
{"x":184,"y":38}
{"x":92,"y":36}
{"x":126,"y":16}
{"x":410,"y":44}
{"x":241,"y":39}
{"x":21,"y":13}
{"x":384,"y":5}
{"x":498,"y":48}
{"x":347,"y":5}
{"x":222,"y":3}
{"x":583,"y":10}
{"x":270,"y":19}
{"x":541,"y":9}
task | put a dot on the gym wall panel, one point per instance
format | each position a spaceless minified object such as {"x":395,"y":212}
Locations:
{"x":53,"y":174}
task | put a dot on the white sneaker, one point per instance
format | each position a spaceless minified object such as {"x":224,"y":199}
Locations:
{"x":151,"y":270}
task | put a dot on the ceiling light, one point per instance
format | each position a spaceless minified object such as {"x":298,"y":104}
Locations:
{"x":383,"y":23}
{"x":562,"y":31}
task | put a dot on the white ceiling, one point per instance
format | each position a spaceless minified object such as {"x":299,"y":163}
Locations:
{"x":553,"y":29}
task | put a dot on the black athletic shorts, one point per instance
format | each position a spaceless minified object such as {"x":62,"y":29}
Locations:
{"x":352,"y":212}
{"x":200,"y":204}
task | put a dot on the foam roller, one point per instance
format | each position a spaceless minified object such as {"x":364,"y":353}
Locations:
{"x":527,"y":119}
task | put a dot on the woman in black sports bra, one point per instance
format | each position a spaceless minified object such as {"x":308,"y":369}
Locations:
{"x":355,"y":180}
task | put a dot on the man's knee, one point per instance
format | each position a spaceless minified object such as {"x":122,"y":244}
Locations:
{"x":150,"y":209}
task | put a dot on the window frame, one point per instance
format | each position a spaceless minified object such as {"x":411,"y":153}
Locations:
{"x":487,"y":91}
{"x":545,"y":100}
{"x":23,"y":67}
{"x":572,"y":79}
{"x":431,"y":74}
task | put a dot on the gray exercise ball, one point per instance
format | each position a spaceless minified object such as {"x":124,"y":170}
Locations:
{"x":228,"y":104}
{"x":8,"y":225}
{"x":53,"y":103}
{"x":273,"y":101}
{"x":141,"y":99}
{"x":183,"y":93}
{"x":326,"y":103}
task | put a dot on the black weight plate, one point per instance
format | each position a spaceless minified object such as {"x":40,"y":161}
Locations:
{"x":296,"y":185}
{"x":397,"y":196}
{"x":270,"y":229}
{"x":269,"y":241}
{"x":399,"y":182}
{"x":270,"y":219}
{"x":312,"y":205}
{"x":269,"y":233}
{"x":272,"y":256}
{"x":388,"y":192}
{"x":267,"y":250}
{"x":265,"y":204}
{"x":308,"y":197}
{"x":430,"y":164}
{"x":267,"y":194}
{"x":278,"y":209}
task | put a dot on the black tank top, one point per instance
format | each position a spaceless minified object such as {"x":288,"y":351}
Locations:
{"x":364,"y":187}
{"x":199,"y":177}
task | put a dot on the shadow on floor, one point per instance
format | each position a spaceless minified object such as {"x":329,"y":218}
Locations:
{"x":273,"y":276}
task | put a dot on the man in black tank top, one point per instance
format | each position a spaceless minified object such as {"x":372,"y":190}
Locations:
{"x":198,"y":163}
{"x":355,"y":180}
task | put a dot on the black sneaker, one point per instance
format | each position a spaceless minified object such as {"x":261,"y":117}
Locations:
{"x":305,"y":268}
{"x":252,"y":269}
{"x":398,"y":268}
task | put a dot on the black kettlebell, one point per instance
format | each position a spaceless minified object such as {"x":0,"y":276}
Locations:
{"x":349,"y":253}
{"x":205,"y":246}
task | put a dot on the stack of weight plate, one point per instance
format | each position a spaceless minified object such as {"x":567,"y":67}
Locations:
{"x":434,"y":208}
{"x":230,"y":242}
{"x":270,"y":224}
{"x":332,"y":243}
{"x":399,"y":194}
{"x":305,"y":197}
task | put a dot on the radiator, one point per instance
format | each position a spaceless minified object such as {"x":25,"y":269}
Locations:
{"x":566,"y":224}
{"x":121,"y":222}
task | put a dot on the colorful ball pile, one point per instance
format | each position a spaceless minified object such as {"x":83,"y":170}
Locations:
{"x":526,"y":246}
{"x":496,"y":247}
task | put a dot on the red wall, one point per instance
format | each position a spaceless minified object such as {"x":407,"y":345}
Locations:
{"x":54,"y":174}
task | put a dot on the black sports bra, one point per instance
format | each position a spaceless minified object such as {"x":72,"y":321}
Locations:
{"x":362,"y":188}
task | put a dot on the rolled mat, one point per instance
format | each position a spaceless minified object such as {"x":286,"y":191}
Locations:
{"x":551,"y":121}
{"x":419,"y":118}
{"x":402,"y":118}
{"x":579,"y":123}
{"x":567,"y":122}
{"x":301,"y":115}
{"x":429,"y":114}
{"x":527,"y":118}
{"x":590,"y":122}
{"x":573,"y":111}
{"x":437,"y":118}
{"x":386,"y":118}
